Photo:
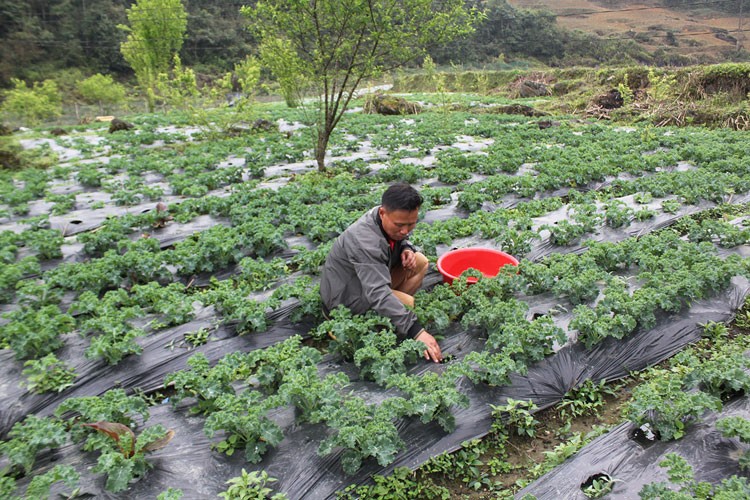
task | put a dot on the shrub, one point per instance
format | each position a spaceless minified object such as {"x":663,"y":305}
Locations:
{"x":178,"y":88}
{"x":279,"y":57}
{"x":32,"y":105}
{"x":102,"y":90}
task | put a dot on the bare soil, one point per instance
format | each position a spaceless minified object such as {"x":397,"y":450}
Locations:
{"x":524,"y":452}
{"x":697,"y":32}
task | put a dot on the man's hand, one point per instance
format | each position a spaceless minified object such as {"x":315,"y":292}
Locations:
{"x":408,"y":259}
{"x":433,"y":349}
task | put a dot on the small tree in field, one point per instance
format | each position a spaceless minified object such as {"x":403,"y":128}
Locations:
{"x":340,"y":44}
{"x":155,"y":35}
{"x":281,"y":59}
{"x":244,"y":77}
{"x":180,"y":88}
{"x":102,"y":90}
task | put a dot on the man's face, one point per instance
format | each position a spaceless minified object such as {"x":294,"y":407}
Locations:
{"x":397,"y":224}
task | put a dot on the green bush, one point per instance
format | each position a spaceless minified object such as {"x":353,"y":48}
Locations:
{"x":31,"y":106}
{"x":279,"y":57}
{"x":10,"y":149}
{"x":102,"y":90}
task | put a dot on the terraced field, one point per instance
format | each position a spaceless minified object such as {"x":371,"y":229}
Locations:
{"x":698,"y":31}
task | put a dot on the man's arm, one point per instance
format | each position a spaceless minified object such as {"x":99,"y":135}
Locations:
{"x":376,"y":288}
{"x":376,"y":282}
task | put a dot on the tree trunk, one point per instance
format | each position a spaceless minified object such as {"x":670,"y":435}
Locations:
{"x":150,"y":97}
{"x":320,"y":148}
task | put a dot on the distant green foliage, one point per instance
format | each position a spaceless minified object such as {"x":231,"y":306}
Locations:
{"x":155,"y":34}
{"x":101,"y":90}
{"x":279,"y":57}
{"x":32,"y":105}
{"x":504,"y":35}
{"x":179,"y":88}
{"x":241,"y":84}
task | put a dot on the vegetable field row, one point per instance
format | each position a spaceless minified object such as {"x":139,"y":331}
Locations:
{"x":159,"y":288}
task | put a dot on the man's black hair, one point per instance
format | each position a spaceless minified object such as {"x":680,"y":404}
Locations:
{"x":401,"y":196}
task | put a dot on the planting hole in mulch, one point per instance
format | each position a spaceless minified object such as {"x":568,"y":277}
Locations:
{"x":644,"y":435}
{"x":732,"y":395}
{"x":448,"y":358}
{"x":729,"y":394}
{"x":597,"y":486}
{"x":159,"y":396}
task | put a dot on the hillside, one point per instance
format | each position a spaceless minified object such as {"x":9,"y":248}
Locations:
{"x":697,"y":33}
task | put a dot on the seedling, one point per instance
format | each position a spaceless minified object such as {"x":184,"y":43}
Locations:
{"x":198,"y":337}
{"x":670,"y":206}
{"x":251,"y":485}
{"x":48,"y":374}
{"x":680,"y":473}
{"x":519,"y":415}
{"x":714,"y":331}
{"x":598,"y":486}
{"x":588,"y":398}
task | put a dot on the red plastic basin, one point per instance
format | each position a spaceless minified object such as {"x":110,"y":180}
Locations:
{"x":486,"y":260}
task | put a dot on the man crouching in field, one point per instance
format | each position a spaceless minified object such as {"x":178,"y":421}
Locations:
{"x":373,"y":266}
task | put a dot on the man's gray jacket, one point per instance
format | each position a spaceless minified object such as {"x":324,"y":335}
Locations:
{"x":357,"y":274}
